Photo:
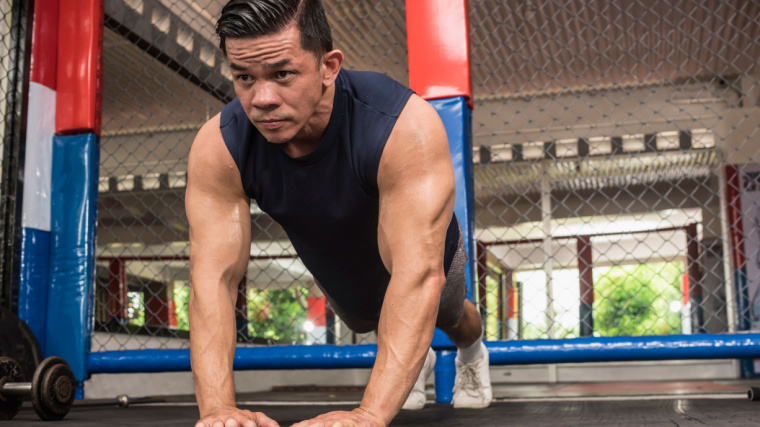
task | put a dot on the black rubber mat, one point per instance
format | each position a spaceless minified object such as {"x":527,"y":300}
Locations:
{"x":667,"y":412}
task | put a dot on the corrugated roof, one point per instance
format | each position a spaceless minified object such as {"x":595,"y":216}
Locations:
{"x":529,"y":46}
{"x":512,"y":178}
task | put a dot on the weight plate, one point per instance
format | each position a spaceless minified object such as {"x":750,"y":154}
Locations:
{"x":18,"y":342}
{"x":10,"y":371}
{"x":53,"y":389}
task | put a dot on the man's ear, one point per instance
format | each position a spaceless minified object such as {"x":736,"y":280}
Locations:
{"x":331,"y":63}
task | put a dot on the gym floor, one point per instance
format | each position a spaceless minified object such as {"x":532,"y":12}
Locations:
{"x":712,"y":403}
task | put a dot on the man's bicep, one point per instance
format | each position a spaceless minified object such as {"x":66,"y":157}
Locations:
{"x":218,"y":212}
{"x":219,"y":229}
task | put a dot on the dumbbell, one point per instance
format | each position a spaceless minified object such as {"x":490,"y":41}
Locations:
{"x":52,"y":389}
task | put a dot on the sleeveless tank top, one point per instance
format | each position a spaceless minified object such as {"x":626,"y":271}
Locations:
{"x":327,"y":201}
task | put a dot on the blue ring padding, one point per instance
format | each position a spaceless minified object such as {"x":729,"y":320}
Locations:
{"x":457,"y":119}
{"x":577,"y":350}
{"x":34,"y":275}
{"x":617,"y":349}
{"x":73,"y":203}
{"x":246,"y":358}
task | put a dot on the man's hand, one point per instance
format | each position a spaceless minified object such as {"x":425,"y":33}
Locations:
{"x":229,"y":416}
{"x":356,"y":418}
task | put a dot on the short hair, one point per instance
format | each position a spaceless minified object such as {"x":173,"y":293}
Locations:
{"x":255,"y":18}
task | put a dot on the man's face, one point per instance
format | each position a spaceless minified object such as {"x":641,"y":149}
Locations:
{"x":278,"y":83}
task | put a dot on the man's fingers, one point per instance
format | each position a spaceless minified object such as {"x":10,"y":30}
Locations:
{"x":263,"y":421}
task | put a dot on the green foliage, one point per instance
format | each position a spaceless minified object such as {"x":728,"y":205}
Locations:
{"x":181,"y":302}
{"x":634,"y":300}
{"x":136,"y":308}
{"x":278,"y":314}
{"x":492,"y":318}
{"x":274,"y":314}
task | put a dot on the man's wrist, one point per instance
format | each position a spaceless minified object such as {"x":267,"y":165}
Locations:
{"x":385,"y":420}
{"x":216,"y":407}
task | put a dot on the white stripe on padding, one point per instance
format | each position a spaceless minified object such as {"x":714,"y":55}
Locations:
{"x":39,"y":157}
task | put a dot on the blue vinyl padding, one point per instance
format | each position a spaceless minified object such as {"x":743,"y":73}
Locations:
{"x":577,"y":350}
{"x":72,"y":249}
{"x":34,"y":276}
{"x":246,"y":358}
{"x":617,"y":349}
{"x":457,"y":119}
{"x":445,"y":374}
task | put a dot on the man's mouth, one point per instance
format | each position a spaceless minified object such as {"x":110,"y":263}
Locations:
{"x":271,"y":124}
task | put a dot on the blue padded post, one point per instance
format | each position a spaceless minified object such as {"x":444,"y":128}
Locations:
{"x":34,"y":274}
{"x":72,"y":248}
{"x":445,"y":372}
{"x":457,"y":119}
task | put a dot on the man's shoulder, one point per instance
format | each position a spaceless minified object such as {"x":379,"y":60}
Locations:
{"x":230,"y":113}
{"x":376,"y":90}
{"x":208,"y":150}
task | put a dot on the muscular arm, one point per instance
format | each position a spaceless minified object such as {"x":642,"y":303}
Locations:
{"x":416,"y":183}
{"x":219,"y":217}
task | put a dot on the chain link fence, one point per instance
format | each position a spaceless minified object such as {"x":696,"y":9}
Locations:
{"x":165,"y":77}
{"x":602,"y":130}
{"x":606,"y":138}
{"x":13,"y":16}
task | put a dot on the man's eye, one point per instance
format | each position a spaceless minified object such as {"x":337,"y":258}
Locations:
{"x":283,"y":74}
{"x":244,"y":77}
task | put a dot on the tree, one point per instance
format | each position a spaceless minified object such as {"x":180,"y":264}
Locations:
{"x":635,"y":300}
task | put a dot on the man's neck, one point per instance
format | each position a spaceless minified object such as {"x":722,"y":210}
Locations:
{"x":308,"y":139}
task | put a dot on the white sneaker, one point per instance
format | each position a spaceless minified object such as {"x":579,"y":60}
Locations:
{"x":417,"y":398}
{"x":472,"y":386}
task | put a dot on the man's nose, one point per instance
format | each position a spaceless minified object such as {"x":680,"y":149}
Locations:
{"x":265,"y":96}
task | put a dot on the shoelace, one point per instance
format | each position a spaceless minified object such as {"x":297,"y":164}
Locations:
{"x":469,"y":381}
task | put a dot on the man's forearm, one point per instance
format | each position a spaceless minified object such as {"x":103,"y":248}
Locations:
{"x":212,"y":349}
{"x":407,"y":322}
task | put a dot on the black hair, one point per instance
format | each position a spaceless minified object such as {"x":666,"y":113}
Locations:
{"x":255,"y":18}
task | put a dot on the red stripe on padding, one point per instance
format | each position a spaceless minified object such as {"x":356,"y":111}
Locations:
{"x":44,"y":43}
{"x":438,"y":43}
{"x":80,"y":41}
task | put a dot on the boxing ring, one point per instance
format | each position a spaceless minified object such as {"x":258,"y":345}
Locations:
{"x":439,"y":57}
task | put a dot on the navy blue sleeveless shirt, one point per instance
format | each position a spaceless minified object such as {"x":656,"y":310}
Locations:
{"x":327,"y":200}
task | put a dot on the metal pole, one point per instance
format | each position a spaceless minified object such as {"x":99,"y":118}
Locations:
{"x":546,"y":216}
{"x":728,"y":270}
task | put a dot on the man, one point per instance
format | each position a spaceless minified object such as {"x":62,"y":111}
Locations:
{"x":356,"y":169}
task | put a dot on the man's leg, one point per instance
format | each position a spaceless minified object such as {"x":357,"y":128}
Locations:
{"x":468,"y":330}
{"x":472,"y":387}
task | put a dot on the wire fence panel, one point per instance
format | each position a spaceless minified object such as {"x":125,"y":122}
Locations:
{"x":603,"y":135}
{"x":13,"y":22}
{"x":164,"y":78}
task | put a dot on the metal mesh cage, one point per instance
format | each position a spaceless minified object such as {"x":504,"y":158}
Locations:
{"x":614,"y":147}
{"x":164,"y":78}
{"x":13,"y":16}
{"x":602,"y":131}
